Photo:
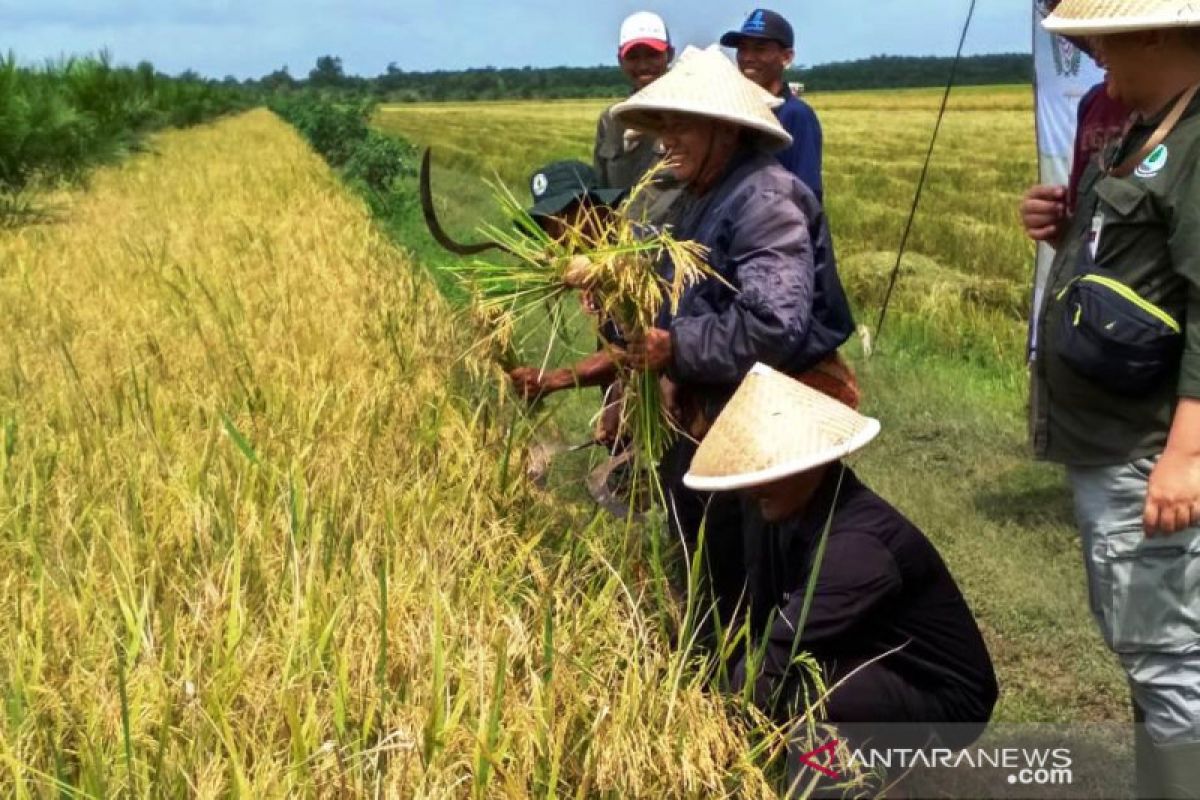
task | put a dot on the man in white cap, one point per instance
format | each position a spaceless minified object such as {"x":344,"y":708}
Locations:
{"x":623,"y":155}
{"x":886,"y":622}
{"x":1117,"y":377}
{"x":778,"y":298}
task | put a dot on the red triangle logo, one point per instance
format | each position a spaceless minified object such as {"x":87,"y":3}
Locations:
{"x":814,"y":759}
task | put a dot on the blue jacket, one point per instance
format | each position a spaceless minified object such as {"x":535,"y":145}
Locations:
{"x":768,"y":238}
{"x":803,"y":157}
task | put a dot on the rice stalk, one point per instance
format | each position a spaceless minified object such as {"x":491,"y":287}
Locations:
{"x":619,"y":261}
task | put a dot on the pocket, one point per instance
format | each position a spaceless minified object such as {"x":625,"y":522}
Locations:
{"x":1126,"y":210}
{"x":1114,"y":337}
{"x":1144,"y":467}
{"x":1155,"y":592}
{"x":1121,"y":195}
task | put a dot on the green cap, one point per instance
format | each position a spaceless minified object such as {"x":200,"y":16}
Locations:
{"x":558,"y":184}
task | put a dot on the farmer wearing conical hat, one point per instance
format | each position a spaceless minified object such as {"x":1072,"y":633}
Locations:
{"x":886,"y":622}
{"x":778,"y":299}
{"x":765,"y":47}
{"x":1117,"y":373}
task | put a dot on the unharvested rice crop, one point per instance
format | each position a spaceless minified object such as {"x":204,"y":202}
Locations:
{"x":947,"y":380}
{"x":263,"y":534}
{"x":969,"y":266}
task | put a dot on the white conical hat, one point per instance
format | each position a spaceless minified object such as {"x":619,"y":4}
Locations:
{"x":773,"y":427}
{"x":1102,"y":17}
{"x":706,"y":83}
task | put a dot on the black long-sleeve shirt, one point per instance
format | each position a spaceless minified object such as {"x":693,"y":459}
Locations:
{"x":881,"y":585}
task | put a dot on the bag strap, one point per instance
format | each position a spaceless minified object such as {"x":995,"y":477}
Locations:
{"x":1126,"y":167}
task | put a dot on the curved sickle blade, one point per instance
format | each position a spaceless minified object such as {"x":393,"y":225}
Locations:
{"x":435,"y":227}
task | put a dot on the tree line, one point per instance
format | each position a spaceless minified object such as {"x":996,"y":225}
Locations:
{"x":60,"y":119}
{"x":489,"y":83}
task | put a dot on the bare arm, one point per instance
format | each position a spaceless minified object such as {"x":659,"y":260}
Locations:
{"x":598,"y":369}
{"x":1173,"y":496}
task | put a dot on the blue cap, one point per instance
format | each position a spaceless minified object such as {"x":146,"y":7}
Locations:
{"x":762,"y":24}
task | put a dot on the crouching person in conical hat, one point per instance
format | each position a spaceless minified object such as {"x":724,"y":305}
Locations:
{"x":887,"y":624}
{"x":1117,"y":372}
{"x":776,"y":296}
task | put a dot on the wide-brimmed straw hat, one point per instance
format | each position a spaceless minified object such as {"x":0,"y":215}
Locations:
{"x":773,"y":427}
{"x":707,"y":84}
{"x":1103,"y":17}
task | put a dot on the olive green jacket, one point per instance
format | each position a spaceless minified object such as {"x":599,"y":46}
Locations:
{"x":1149,"y":238}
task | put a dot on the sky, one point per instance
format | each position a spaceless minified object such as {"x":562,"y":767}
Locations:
{"x":253,"y":37}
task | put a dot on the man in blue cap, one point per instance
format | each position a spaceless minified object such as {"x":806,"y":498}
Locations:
{"x":764,"y":50}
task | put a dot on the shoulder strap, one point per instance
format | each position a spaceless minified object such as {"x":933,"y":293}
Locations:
{"x":1126,"y":167}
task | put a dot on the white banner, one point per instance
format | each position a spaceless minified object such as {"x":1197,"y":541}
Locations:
{"x":1062,"y":75}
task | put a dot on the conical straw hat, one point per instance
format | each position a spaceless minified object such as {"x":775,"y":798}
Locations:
{"x":1101,"y":17}
{"x":706,"y":83}
{"x":773,"y":427}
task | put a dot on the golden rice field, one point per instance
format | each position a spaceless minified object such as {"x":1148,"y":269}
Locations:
{"x":968,"y":264}
{"x":947,"y":380}
{"x":259,"y":538}
{"x":265,"y":532}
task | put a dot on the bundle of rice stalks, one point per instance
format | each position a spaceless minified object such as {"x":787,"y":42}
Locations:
{"x":618,"y":261}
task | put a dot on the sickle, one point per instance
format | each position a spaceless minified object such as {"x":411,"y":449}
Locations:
{"x":435,"y":227}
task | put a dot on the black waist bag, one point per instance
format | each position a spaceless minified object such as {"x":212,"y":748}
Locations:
{"x":1113,"y":336}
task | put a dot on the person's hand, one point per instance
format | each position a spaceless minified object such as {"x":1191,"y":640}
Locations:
{"x":1044,"y":212}
{"x":609,"y":424}
{"x":1173,"y":496}
{"x":650,"y":351}
{"x":532,"y":383}
{"x":670,"y":399}
{"x":578,"y":273}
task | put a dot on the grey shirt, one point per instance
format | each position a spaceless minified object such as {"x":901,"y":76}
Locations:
{"x":622,"y":156}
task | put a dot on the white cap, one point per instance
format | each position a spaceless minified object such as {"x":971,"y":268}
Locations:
{"x":643,"y":27}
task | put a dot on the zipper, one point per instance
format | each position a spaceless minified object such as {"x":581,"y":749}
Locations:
{"x":1127,"y":293}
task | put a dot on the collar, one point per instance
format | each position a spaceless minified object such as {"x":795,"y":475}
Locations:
{"x":1139,"y":130}
{"x":808,"y":525}
{"x":736,"y":161}
{"x":1157,"y":117}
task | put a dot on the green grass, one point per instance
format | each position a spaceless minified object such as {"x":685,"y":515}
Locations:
{"x":947,"y":380}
